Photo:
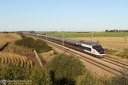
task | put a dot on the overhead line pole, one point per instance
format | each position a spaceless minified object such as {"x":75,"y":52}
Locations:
{"x":63,"y":38}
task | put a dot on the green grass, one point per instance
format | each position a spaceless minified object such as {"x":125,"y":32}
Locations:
{"x":95,"y":34}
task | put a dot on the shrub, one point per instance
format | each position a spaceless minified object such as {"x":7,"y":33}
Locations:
{"x":38,"y":45}
{"x":35,"y":74}
{"x":86,"y":79}
{"x":63,"y":69}
{"x":125,"y":53}
{"x":54,"y":52}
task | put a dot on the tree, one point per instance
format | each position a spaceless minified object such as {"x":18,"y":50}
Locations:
{"x":64,"y":69}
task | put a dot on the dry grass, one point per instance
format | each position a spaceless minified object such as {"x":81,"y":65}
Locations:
{"x":8,"y":37}
{"x":46,"y":56}
{"x":11,"y":59}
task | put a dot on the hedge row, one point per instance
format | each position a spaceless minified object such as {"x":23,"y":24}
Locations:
{"x":38,"y":45}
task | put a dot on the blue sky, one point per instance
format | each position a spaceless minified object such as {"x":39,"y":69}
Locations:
{"x":63,"y":15}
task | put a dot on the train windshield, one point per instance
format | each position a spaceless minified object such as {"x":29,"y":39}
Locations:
{"x":99,"y":48}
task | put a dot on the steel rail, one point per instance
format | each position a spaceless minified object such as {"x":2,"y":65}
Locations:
{"x":115,"y":62}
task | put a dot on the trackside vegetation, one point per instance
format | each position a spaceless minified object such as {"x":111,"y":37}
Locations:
{"x":38,"y":45}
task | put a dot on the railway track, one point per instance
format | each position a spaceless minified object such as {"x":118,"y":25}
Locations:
{"x":116,"y":62}
{"x":96,"y":63}
{"x":110,"y":65}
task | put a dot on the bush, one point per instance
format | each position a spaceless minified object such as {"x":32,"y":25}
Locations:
{"x":38,"y":45}
{"x":86,"y":79}
{"x":63,"y":69}
{"x":35,"y":74}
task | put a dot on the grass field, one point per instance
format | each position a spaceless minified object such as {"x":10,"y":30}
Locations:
{"x":95,"y":34}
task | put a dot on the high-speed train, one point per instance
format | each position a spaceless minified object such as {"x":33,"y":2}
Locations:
{"x":92,"y":48}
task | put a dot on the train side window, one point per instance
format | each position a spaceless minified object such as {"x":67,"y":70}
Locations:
{"x":85,"y":48}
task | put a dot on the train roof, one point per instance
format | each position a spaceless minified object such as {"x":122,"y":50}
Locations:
{"x":75,"y":41}
{"x":89,"y":43}
{"x":55,"y":37}
{"x":66,"y":40}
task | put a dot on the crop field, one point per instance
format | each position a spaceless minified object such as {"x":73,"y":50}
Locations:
{"x":11,"y":59}
{"x":118,"y":43}
{"x":87,"y":34}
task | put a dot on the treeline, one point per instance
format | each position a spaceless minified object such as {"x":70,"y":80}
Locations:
{"x":116,"y":30}
{"x":38,"y":45}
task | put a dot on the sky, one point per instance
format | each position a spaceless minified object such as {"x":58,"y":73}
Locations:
{"x":63,"y":15}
